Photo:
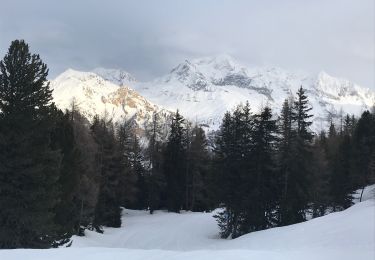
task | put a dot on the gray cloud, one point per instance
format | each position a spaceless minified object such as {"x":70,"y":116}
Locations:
{"x":148,"y":38}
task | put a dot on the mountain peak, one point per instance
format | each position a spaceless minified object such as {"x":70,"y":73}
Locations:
{"x":197,"y":74}
{"x":221,"y":62}
{"x":116,"y":76}
{"x":207,"y":87}
{"x":334,"y":86}
{"x":74,"y":74}
{"x":95,"y":95}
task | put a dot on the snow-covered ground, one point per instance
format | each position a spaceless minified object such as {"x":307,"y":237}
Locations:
{"x":349,"y":234}
{"x":368,"y":193}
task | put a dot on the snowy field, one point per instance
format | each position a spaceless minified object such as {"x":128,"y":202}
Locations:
{"x":349,"y":234}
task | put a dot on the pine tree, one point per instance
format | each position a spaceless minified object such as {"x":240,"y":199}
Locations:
{"x":29,"y":168}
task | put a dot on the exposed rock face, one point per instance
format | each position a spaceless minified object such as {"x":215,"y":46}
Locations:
{"x":203,"y":89}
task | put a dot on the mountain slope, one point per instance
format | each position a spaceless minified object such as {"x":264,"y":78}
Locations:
{"x":94,"y":95}
{"x":116,"y":76}
{"x":203,"y":89}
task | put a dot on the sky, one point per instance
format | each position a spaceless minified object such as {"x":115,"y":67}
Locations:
{"x":149,"y":38}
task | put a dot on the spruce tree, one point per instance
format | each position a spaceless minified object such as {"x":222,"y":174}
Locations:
{"x":227,"y":178}
{"x":89,"y":174}
{"x":78,"y":181}
{"x":301,"y":116}
{"x":285,"y":159}
{"x":341,"y":175}
{"x":261,"y":198}
{"x":364,"y":149}
{"x":154,"y":153}
{"x":107,"y":212}
{"x":348,"y":125}
{"x":129,"y":151}
{"x":302,"y":153}
{"x":319,"y":186}
{"x":29,"y":168}
{"x":297,"y":156}
{"x":174,"y":164}
{"x":233,"y":161}
{"x":68,"y":208}
{"x":138,"y":171}
{"x":198,"y":182}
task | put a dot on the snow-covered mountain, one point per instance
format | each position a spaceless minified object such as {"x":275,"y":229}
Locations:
{"x":204,"y":89}
{"x":116,"y":76}
{"x":106,"y":95}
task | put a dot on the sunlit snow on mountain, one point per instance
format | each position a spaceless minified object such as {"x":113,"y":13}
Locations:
{"x":203,"y":89}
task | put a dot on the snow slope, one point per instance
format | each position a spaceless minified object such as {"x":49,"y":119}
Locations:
{"x":203,"y":89}
{"x":344,"y":235}
{"x":106,"y":95}
{"x":116,"y":76}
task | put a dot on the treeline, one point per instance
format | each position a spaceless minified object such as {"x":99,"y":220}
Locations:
{"x":273,"y":171}
{"x":61,"y":174}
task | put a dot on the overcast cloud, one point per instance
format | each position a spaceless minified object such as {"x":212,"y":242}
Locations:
{"x":148,"y":38}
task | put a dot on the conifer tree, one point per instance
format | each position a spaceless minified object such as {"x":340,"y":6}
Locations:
{"x":155,"y":178}
{"x":285,"y":159}
{"x":319,"y":185}
{"x":129,"y":151}
{"x":261,"y":198}
{"x":29,"y":168}
{"x":138,"y":171}
{"x":227,"y":178}
{"x":301,"y":116}
{"x":198,"y":182}
{"x":348,"y":125}
{"x":85,"y":150}
{"x":233,"y":153}
{"x":364,"y":149}
{"x":68,"y":208}
{"x":107,"y":212}
{"x":297,"y":171}
{"x":174,"y":164}
{"x":301,"y":151}
{"x":341,"y":186}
